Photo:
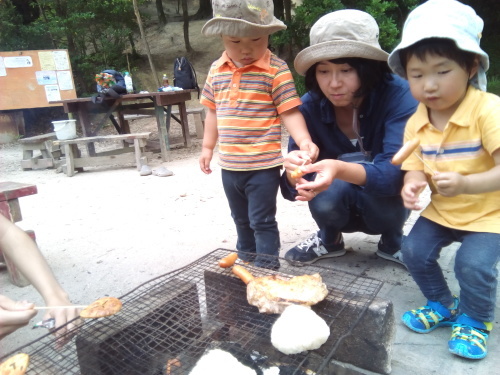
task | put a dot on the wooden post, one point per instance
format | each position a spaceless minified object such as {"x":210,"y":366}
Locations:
{"x":143,"y":36}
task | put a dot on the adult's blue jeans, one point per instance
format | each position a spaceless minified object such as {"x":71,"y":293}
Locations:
{"x":475,"y":266}
{"x":345,"y":207}
{"x":252,"y":200}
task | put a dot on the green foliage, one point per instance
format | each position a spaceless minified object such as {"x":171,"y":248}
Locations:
{"x":494,"y":85}
{"x":390,"y":16}
{"x":297,"y":32}
{"x":95,"y":32}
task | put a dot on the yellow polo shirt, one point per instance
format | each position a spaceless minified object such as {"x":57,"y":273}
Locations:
{"x":464,"y":146}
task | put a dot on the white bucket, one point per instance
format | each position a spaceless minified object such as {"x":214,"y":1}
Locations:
{"x":65,"y":129}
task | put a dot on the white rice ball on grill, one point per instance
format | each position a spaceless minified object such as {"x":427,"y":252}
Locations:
{"x":220,"y":362}
{"x":299,"y":329}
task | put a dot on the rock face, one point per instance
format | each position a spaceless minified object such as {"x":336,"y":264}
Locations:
{"x":369,"y":344}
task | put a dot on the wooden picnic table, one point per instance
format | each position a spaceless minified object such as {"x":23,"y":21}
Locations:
{"x":158,"y":104}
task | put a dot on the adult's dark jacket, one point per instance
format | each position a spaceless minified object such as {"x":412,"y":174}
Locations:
{"x":382,"y":118}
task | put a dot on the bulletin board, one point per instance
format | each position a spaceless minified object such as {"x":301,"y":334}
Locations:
{"x":30,"y":79}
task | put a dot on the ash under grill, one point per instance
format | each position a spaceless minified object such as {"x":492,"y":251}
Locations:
{"x":175,"y":318}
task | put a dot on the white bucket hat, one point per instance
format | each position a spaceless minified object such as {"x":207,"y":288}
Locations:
{"x":448,"y":19}
{"x":340,"y":34}
{"x":242,"y":18}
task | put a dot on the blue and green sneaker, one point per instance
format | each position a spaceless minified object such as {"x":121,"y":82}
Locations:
{"x":427,"y":318}
{"x":468,"y":338}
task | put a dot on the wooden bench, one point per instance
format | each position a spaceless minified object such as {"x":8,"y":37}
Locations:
{"x":197,"y":113}
{"x":122,"y":155}
{"x":48,"y":153}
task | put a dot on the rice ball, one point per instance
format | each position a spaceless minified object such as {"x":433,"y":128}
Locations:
{"x":299,"y":329}
{"x":222,"y":362}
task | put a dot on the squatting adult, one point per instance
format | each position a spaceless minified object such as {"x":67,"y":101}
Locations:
{"x":355,"y":111}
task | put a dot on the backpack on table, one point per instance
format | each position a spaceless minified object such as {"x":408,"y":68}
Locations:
{"x":115,"y":88}
{"x":109,"y":83}
{"x":185,"y":75}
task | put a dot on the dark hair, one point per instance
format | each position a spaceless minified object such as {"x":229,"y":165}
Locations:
{"x":370,"y":73}
{"x":439,"y":47}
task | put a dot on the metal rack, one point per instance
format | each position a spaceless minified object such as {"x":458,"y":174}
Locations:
{"x":168,"y":323}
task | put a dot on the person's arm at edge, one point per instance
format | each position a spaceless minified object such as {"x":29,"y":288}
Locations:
{"x":24,"y":253}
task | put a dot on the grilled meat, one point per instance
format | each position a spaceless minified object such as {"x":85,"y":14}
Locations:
{"x":272,"y":294}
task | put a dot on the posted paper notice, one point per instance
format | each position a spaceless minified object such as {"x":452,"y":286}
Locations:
{"x":65,"y":80}
{"x":18,"y":62}
{"x":61,"y":60}
{"x":3,"y":72}
{"x":46,"y":61}
{"x":52,"y":93}
{"x":46,"y":78}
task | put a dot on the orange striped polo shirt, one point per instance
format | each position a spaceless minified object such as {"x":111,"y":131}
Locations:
{"x":248,"y":101}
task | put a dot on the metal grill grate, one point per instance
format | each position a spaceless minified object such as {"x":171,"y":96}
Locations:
{"x":175,"y":318}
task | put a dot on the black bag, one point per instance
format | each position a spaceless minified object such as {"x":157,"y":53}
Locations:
{"x":185,"y":75}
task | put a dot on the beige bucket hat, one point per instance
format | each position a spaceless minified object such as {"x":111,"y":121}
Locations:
{"x":340,"y":34}
{"x":242,"y":18}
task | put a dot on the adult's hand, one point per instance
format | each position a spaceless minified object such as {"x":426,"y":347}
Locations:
{"x":14,"y":315}
{"x":326,"y":171}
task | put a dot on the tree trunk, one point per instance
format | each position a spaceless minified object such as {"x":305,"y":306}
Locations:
{"x":204,"y":11}
{"x":288,"y":10}
{"x":143,"y":36}
{"x":162,"y":18}
{"x":185,"y":17}
{"x":135,"y":54}
{"x":279,"y":10}
{"x":42,"y":12}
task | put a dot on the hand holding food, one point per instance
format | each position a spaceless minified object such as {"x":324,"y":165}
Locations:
{"x":405,"y":151}
{"x":297,"y":173}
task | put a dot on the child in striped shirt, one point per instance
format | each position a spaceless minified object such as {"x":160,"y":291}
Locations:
{"x":249,"y":92}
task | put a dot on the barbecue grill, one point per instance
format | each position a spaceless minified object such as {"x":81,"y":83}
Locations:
{"x":168,"y":323}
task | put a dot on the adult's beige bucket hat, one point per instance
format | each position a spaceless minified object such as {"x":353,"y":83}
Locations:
{"x":340,"y":34}
{"x":242,"y":18}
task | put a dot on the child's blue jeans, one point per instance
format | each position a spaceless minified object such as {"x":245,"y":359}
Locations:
{"x":475,"y":266}
{"x":252,"y":200}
